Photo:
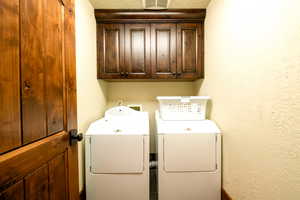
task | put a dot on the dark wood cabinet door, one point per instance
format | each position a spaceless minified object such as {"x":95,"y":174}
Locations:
{"x":163,"y":51}
{"x":110,"y":51}
{"x":37,"y":100}
{"x":190,"y":51}
{"x":137,"y":51}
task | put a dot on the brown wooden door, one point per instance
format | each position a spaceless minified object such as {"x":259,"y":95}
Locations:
{"x":163,"y":51}
{"x":110,"y":51}
{"x":137,"y":51}
{"x":37,"y":100}
{"x":190,"y":51}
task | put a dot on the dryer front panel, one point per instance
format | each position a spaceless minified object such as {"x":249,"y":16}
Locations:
{"x":190,"y":153}
{"x":117,"y":154}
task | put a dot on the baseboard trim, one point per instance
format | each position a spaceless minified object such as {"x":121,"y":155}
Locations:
{"x":225,"y":195}
{"x":82,"y":195}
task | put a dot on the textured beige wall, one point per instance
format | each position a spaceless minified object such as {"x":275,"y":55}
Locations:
{"x":145,"y":93}
{"x":135,"y":4}
{"x":253,"y":76}
{"x":91,"y":93}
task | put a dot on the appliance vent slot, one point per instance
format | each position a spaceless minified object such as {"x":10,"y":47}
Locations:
{"x":150,"y":3}
{"x":162,"y":3}
{"x":156,"y":4}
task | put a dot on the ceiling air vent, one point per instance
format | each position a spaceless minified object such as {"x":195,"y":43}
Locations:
{"x":156,"y":4}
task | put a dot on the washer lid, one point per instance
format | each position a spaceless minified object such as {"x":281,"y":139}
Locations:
{"x":133,"y":124}
{"x":185,"y":127}
{"x":120,"y":112}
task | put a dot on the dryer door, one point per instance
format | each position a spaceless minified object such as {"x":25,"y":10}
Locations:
{"x":117,"y":154}
{"x":190,"y":153}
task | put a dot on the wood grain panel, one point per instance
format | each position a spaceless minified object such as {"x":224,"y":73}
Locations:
{"x":137,"y":51}
{"x":14,"y":192}
{"x":163,"y":51}
{"x":71,"y":96}
{"x":190,"y":54}
{"x":58,"y":178}
{"x":32,"y":70}
{"x":10,"y":131}
{"x":70,"y":65}
{"x":189,"y":50}
{"x":112,"y":53}
{"x":54,"y":65}
{"x":110,"y":50}
{"x":37,"y":184}
{"x":17,"y":164}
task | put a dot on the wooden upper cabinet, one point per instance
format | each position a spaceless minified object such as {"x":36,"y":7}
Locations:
{"x":137,"y":51}
{"x":189,"y":51}
{"x":163,"y":51}
{"x":153,"y":45}
{"x":110,"y":51}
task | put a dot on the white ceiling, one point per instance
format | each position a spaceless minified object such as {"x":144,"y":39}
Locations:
{"x":135,"y":4}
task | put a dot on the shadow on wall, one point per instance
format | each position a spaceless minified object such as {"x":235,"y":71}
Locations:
{"x":91,"y":106}
{"x":197,"y":86}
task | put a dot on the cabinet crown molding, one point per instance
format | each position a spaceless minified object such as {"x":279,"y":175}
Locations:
{"x":150,"y":16}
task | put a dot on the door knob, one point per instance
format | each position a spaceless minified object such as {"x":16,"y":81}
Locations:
{"x":75,"y":136}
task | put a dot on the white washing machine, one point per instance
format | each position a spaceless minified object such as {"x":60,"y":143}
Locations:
{"x":189,"y":151}
{"x":117,"y":156}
